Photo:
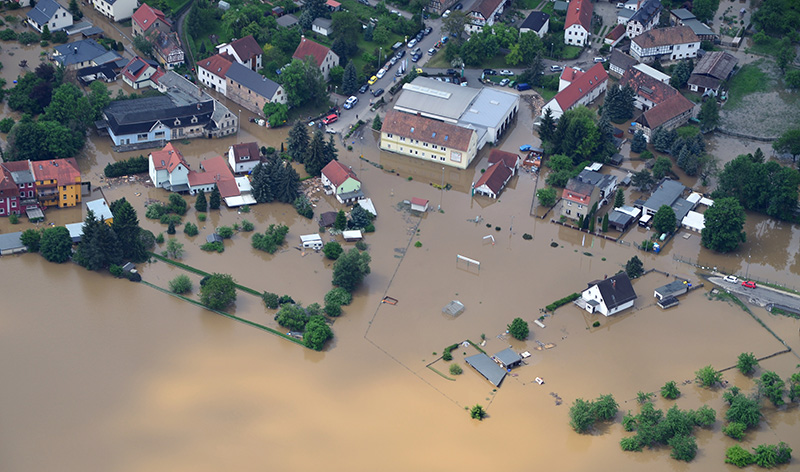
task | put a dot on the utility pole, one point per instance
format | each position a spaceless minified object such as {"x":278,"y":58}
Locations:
{"x":441,"y":195}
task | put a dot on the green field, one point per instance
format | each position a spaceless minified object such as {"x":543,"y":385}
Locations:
{"x":749,"y":79}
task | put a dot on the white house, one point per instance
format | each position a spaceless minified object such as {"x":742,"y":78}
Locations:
{"x":117,"y":10}
{"x":50,"y":13}
{"x":538,"y":22}
{"x":322,"y":26}
{"x":578,"y":25}
{"x":609,"y":296}
{"x":645,"y":18}
{"x":212,"y":72}
{"x":245,"y":51}
{"x":323,"y":56}
{"x":169,"y":170}
{"x":483,"y":14}
{"x":243,"y":157}
{"x":582,"y":89}
{"x":667,"y":44}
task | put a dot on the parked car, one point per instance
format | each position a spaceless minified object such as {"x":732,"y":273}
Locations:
{"x":364,"y":2}
{"x":506,"y":72}
{"x":400,"y":54}
{"x":556,"y":68}
{"x":351,"y":102}
{"x":451,"y":72}
{"x":415,"y":57}
{"x":504,"y":82}
{"x":427,"y":30}
{"x":394,"y":60}
{"x":378,"y":92}
{"x":419,"y":36}
{"x":332,"y":118}
{"x":416,"y":52}
{"x":399,"y":72}
{"x":522,"y":87}
{"x":512,"y":84}
{"x":363,"y":88}
{"x":432,"y":51}
{"x":749,"y":284}
{"x":412,"y":43}
{"x":489,"y":72}
{"x":446,"y":14}
{"x":381,"y":73}
{"x":458,"y":6}
{"x":444,"y":39}
{"x":438,"y":45}
{"x":599,"y":59}
{"x":731,"y":278}
{"x":372,"y":80}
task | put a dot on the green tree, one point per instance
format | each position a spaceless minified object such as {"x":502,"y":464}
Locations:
{"x":794,"y":387}
{"x":708,"y":377}
{"x":303,"y":82}
{"x":350,"y":79}
{"x":190,"y":229}
{"x":772,"y":386}
{"x":75,"y":9}
{"x":276,"y":113}
{"x":46,"y":33}
{"x":454,"y":24}
{"x":292,"y":316}
{"x":31,"y":238}
{"x":709,"y":115}
{"x":743,"y":410}
{"x":684,"y":447}
{"x":317,"y":333}
{"x":174,"y":249}
{"x":618,"y":103}
{"x":792,"y":79}
{"x":338,"y":296}
{"x":6,"y":124}
{"x":747,"y":363}
{"x":200,"y":203}
{"x":297,"y":142}
{"x":144,"y":45}
{"x":581,"y":415}
{"x":664,"y":220}
{"x":786,"y":54}
{"x":272,"y":238}
{"x":662,"y":167}
{"x":455,"y":369}
{"x":316,"y":157}
{"x":546,"y":196}
{"x":218,"y":292}
{"x":180,"y":284}
{"x":340,"y":223}
{"x":605,"y":408}
{"x":735,"y":430}
{"x":56,"y":244}
{"x":619,"y":198}
{"x":271,"y":300}
{"x":670,"y":390}
{"x":477,"y":413}
{"x":332,"y":250}
{"x":639,"y":142}
{"x":634,"y":267}
{"x":788,"y":143}
{"x":214,"y":199}
{"x":519,"y":329}
{"x":766,"y":456}
{"x":126,"y":227}
{"x":350,"y":269}
{"x":724,"y":224}
{"x":547,"y":127}
{"x":738,"y":456}
{"x":604,"y":227}
{"x":681,"y":74}
{"x":99,"y":98}
{"x":704,"y":9}
{"x":377,"y":124}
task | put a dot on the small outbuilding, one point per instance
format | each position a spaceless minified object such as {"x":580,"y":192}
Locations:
{"x":694,"y":221}
{"x":213,"y":238}
{"x":11,"y":243}
{"x":101,"y":210}
{"x":311,"y":241}
{"x":327,"y":219}
{"x":352,"y":235}
{"x":667,"y":302}
{"x":507,"y":359}
{"x":419,"y":204}
{"x":487,"y":368}
{"x":672,"y":289}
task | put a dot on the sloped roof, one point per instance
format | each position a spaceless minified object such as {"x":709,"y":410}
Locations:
{"x":486,"y":7}
{"x":495,"y":178}
{"x":535,"y":20}
{"x":717,"y":64}
{"x":647,"y":11}
{"x":621,"y":60}
{"x":699,"y":28}
{"x":11,"y":241}
{"x":666,"y":37}
{"x":215,"y":170}
{"x":616,"y":290}
{"x":100,"y":209}
{"x":507,"y":356}
{"x":246,"y":150}
{"x":509,"y":159}
{"x":286,"y":21}
{"x":616,"y":33}
{"x":581,"y":86}
{"x":63,"y":171}
{"x":136,"y":67}
{"x":146,"y":17}
{"x":666,"y":193}
{"x":323,"y":23}
{"x":570,"y":74}
{"x":310,"y":48}
{"x":8,"y":188}
{"x":217,"y":64}
{"x":666,"y":110}
{"x":167,"y":158}
{"x":426,"y":129}
{"x":683,"y":14}
{"x":252,"y":80}
{"x":579,"y":12}
{"x":82,"y":51}
{"x":44,"y":11}
{"x":577,"y":191}
{"x":487,"y":368}
{"x":338,"y":173}
{"x":596,"y":178}
{"x":246,"y":48}
{"x":646,"y":86}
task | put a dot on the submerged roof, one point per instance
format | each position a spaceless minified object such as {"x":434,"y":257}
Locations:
{"x":507,"y":356}
{"x":487,"y":368}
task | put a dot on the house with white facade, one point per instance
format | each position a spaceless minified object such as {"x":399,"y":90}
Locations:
{"x":538,"y":22}
{"x":243,"y":157}
{"x":322,"y":26}
{"x":340,"y":181}
{"x":666,"y":44}
{"x":212,"y":72}
{"x":168,"y":169}
{"x":141,"y":73}
{"x":147,"y":17}
{"x":49,"y":13}
{"x":582,"y":89}
{"x":322,"y":55}
{"x":578,"y":26}
{"x":644,"y":19}
{"x":117,"y":10}
{"x":483,"y":13}
{"x":609,"y":296}
{"x":245,"y":51}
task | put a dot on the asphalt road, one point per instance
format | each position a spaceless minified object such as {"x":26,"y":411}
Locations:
{"x":760,"y":295}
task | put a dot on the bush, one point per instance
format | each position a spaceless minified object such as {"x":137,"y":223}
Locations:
{"x":9,"y":35}
{"x":180,"y":284}
{"x":527,"y":237}
{"x":333,"y":310}
{"x":201,"y":217}
{"x":247,"y":226}
{"x":670,"y":390}
{"x":317,"y":333}
{"x":596,"y":324}
{"x":160,"y":238}
{"x":168,"y":219}
{"x":519,"y":329}
{"x":133,"y":276}
{"x":177,"y":204}
{"x":735,"y":430}
{"x":417,"y":244}
{"x":215,"y":246}
{"x":272,"y":238}
{"x":708,"y":377}
{"x":115,"y":270}
{"x":244,"y":209}
{"x":13,"y":219}
{"x":293,"y":317}
{"x":285,"y":299}
{"x":225,"y":232}
{"x":190,"y":229}
{"x":6,"y":124}
{"x":563,"y":301}
{"x":332,"y":250}
{"x":338,"y":296}
{"x":303,"y":207}
{"x":270,"y":300}
{"x":155,"y":211}
{"x":447,"y":355}
{"x":361,"y":246}
{"x":28,"y":37}
{"x":738,"y":456}
{"x":370,"y":228}
{"x":455,"y":369}
{"x":171,"y":228}
{"x":134,"y":165}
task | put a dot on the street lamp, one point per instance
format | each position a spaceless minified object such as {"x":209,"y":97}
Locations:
{"x":441,"y":194}
{"x":380,"y":53}
{"x":747,"y":274}
{"x":239,"y":122}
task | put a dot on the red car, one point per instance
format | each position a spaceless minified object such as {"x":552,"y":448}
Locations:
{"x":749,"y":284}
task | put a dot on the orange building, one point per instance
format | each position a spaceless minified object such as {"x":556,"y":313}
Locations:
{"x":58,"y":182}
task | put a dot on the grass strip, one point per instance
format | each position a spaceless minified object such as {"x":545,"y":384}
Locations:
{"x":476,"y":347}
{"x":200,"y":272}
{"x":446,"y":377}
{"x":227,"y":315}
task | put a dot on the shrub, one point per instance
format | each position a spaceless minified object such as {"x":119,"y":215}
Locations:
{"x":244,"y":209}
{"x":670,"y":390}
{"x":417,"y":244}
{"x":285,"y":299}
{"x":133,"y":276}
{"x":292,"y":316}
{"x":303,"y":207}
{"x":6,"y":124}
{"x":201,"y":217}
{"x":8,"y":35}
{"x":155,"y":211}
{"x":160,"y":238}
{"x":333,"y":310}
{"x":190,"y":229}
{"x":225,"y":232}
{"x":455,"y":369}
{"x":497,"y":228}
{"x":168,"y":219}
{"x":270,"y":300}
{"x":563,"y":301}
{"x":171,"y":228}
{"x":596,"y":324}
{"x":134,"y":165}
{"x":332,"y":250}
{"x":247,"y":226}
{"x":338,"y":296}
{"x":28,"y":37}
{"x":738,"y":456}
{"x":115,"y":270}
{"x":13,"y":219}
{"x":180,"y":284}
{"x":214,"y":246}
{"x":527,"y":237}
{"x":272,"y":238}
{"x":177,"y":204}
{"x":361,"y":246}
{"x":370,"y":228}
{"x":708,"y":377}
{"x":735,"y":430}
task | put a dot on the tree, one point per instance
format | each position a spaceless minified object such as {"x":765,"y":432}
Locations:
{"x":292,"y":316}
{"x":144,"y":45}
{"x":455,"y":369}
{"x":708,"y":377}
{"x":742,"y":410}
{"x":31,"y":238}
{"x":664,"y":220}
{"x":738,"y":456}
{"x":317,"y":333}
{"x":56,"y":244}
{"x":340,"y":223}
{"x":788,"y":143}
{"x":316,"y":157}
{"x":171,"y":227}
{"x":518,"y":329}
{"x":581,"y":415}
{"x":276,"y":113}
{"x":772,"y":386}
{"x":747,"y":363}
{"x":297,"y":142}
{"x":684,"y":447}
{"x":99,"y":98}
{"x":338,"y":296}
{"x":45,"y":33}
{"x":662,"y":167}
{"x":350,"y":79}
{"x":190,"y":229}
{"x":734,"y":430}
{"x":303,"y":82}
{"x":681,"y":74}
{"x":218,"y":292}
{"x":477,"y":413}
{"x":546,"y":196}
{"x":272,"y":238}
{"x":128,"y":232}
{"x":454,"y":24}
{"x":214,"y":199}
{"x":359,"y":217}
{"x":709,"y":115}
{"x":639,"y":142}
{"x":604,"y":227}
{"x":377,"y":124}
{"x":618,"y":104}
{"x":200,"y":203}
{"x":634,"y":267}
{"x":174,"y":249}
{"x":724,"y":224}
{"x":794,"y":387}
{"x":180,"y":284}
{"x":350,"y":269}
{"x":792,"y":79}
{"x":670,"y":390}
{"x":619,"y":198}
{"x":786,"y":54}
{"x":332,"y":250}
{"x":75,"y":9}
{"x":547,"y":127}
{"x":704,"y":9}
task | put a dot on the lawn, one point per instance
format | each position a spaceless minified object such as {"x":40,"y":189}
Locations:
{"x":370,"y":47}
{"x":176,"y":5}
{"x":571,"y":52}
{"x":547,"y":94}
{"x":528,"y":4}
{"x":748,"y":80}
{"x":765,"y":48}
{"x":549,"y":8}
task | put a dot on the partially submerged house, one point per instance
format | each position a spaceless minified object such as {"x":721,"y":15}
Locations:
{"x":507,"y":359}
{"x":101,"y":210}
{"x":502,"y":166}
{"x":578,"y":198}
{"x":341,"y":181}
{"x":622,"y":217}
{"x":49,"y":13}
{"x":672,"y":289}
{"x":11,"y":243}
{"x":609,"y":296}
{"x":243,"y":157}
{"x":419,"y":204}
{"x":487,"y":368}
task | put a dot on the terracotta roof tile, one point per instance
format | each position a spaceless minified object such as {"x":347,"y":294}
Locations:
{"x":217,"y":64}
{"x":310,"y":48}
{"x":579,"y":12}
{"x":486,"y":7}
{"x":646,"y":86}
{"x":246,"y":48}
{"x":495,"y":178}
{"x":427,"y":130}
{"x":337,"y":173}
{"x":666,"y":37}
{"x":509,"y":159}
{"x":168,"y":158}
{"x":616,"y":33}
{"x":668,"y":109}
{"x":246,"y":150}
{"x":64,"y":171}
{"x":146,"y":16}
{"x":581,"y":87}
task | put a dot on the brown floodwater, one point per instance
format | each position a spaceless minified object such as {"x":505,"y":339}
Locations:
{"x":113,"y":375}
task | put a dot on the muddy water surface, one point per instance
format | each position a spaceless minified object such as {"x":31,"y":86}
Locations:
{"x":118,"y":376}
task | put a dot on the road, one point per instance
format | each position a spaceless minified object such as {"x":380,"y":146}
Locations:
{"x":760,"y":295}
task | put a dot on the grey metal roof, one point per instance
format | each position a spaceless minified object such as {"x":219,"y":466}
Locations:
{"x":666,"y":193}
{"x":435,"y":99}
{"x":109,"y":56}
{"x":676,"y":286}
{"x":625,"y":13}
{"x":252,"y":80}
{"x":487,"y":368}
{"x":323,"y":23}
{"x":10,"y":241}
{"x":698,"y":27}
{"x":22,"y":177}
{"x":92,"y":31}
{"x":619,"y":218}
{"x":213,"y":238}
{"x":535,"y":21}
{"x":507,"y":356}
{"x":596,"y":178}
{"x":287,"y":21}
{"x":44,"y":11}
{"x":683,"y":14}
{"x":139,"y":115}
{"x":577,"y":186}
{"x":681,"y":207}
{"x":79,"y":51}
{"x":489,"y":108}
{"x":560,"y":5}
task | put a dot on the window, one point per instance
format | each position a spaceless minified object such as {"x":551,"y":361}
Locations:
{"x":2,"y":211}
{"x":388,"y":135}
{"x":65,"y":196}
{"x":14,"y":203}
{"x":141,"y":137}
{"x":569,"y":204}
{"x":569,"y":212}
{"x":580,"y":206}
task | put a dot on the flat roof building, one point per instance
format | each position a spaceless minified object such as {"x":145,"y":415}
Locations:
{"x":487,"y":368}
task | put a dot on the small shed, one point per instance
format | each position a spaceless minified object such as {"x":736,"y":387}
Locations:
{"x":213,"y":238}
{"x":75,"y":231}
{"x":419,"y":204}
{"x":453,"y":308}
{"x":667,"y":302}
{"x":327,"y":219}
{"x":11,"y":243}
{"x":223,"y":5}
{"x":694,"y":221}
{"x":311,"y":241}
{"x":487,"y":368}
{"x":507,"y":358}
{"x":672,"y":289}
{"x":619,"y":220}
{"x":616,"y":159}
{"x":366,"y":203}
{"x":101,"y":210}
{"x":352,"y":235}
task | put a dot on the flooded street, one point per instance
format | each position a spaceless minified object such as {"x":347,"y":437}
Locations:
{"x":114,"y":375}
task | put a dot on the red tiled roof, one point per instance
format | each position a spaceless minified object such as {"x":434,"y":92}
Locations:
{"x":495,"y":178}
{"x":168,"y":158}
{"x":509,"y":159}
{"x":333,"y":4}
{"x":217,"y":64}
{"x":577,"y":191}
{"x":7,"y":186}
{"x":146,"y":16}
{"x":427,"y":130}
{"x":570,"y":74}
{"x":616,"y":33}
{"x":337,"y":173}
{"x":127,"y":71}
{"x":419,"y":201}
{"x":310,"y":48}
{"x":245,"y":149}
{"x":579,"y":12}
{"x":580,"y":87}
{"x":16,"y":166}
{"x":667,"y":110}
{"x":246,"y":48}
{"x":63,"y":171}
{"x":486,"y":7}
{"x":215,"y":170}
{"x":646,"y":86}
{"x":666,"y":37}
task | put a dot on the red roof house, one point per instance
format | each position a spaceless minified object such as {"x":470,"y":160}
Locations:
{"x":579,"y":22}
{"x":493,"y":180}
{"x":581,"y":91}
{"x":245,"y":51}
{"x":340,"y":180}
{"x":323,"y":56}
{"x":147,"y":17}
{"x":508,"y":159}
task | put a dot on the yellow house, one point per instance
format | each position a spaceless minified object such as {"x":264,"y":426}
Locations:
{"x":428,"y":139}
{"x":58,"y":182}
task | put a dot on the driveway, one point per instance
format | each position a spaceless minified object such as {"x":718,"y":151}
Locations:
{"x":761,"y":295}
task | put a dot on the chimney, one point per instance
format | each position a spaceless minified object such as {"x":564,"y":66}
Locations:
{"x":75,"y":50}
{"x":614,"y":284}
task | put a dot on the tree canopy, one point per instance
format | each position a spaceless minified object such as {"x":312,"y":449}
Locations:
{"x":664,"y":220}
{"x":724,"y":225}
{"x":218,"y":291}
{"x":350,"y":269}
{"x":55,"y":244}
{"x":303,"y":83}
{"x":519,"y":329}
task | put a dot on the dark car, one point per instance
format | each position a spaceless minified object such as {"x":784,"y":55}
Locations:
{"x":489,"y":72}
{"x":415,"y":57}
{"x":419,"y":36}
{"x":458,"y":6}
{"x":378,"y":92}
{"x":427,"y":31}
{"x":451,"y":72}
{"x":363,"y":88}
{"x":400,"y":54}
{"x":364,"y":2}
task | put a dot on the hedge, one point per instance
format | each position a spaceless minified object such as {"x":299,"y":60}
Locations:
{"x":563,"y":301}
{"x":134,"y":165}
